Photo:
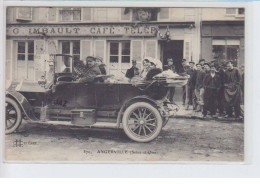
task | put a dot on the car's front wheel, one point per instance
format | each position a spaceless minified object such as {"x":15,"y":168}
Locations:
{"x":13,"y":115}
{"x":142,"y":122}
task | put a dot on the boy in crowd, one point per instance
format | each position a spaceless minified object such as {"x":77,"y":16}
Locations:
{"x":211,"y":84}
{"x":199,"y":90}
{"x":190,"y":85}
{"x":170,"y":66}
{"x":232,"y":90}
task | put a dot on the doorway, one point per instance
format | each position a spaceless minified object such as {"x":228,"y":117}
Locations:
{"x":172,"y":49}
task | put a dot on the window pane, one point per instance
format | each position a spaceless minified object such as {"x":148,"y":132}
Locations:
{"x":241,"y":11}
{"x":76,"y":14}
{"x":113,"y":59}
{"x":232,"y":52}
{"x":21,"y":57}
{"x":125,"y":48}
{"x":21,"y":47}
{"x":219,"y":52}
{"x":30,"y":47}
{"x":125,"y":59}
{"x":76,"y":47}
{"x":30,"y":57}
{"x":66,"y":47}
{"x":65,"y":14}
{"x":76,"y":57}
{"x":114,"y":48}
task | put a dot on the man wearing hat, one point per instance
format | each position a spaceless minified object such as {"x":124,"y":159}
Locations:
{"x":199,"y":90}
{"x":211,"y":84}
{"x":172,"y":67}
{"x":91,"y":71}
{"x":133,"y":71}
{"x":232,"y":90}
{"x":101,"y":65}
{"x":190,"y":85}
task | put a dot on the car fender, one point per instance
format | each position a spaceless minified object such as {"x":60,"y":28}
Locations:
{"x":24,"y":104}
{"x":142,"y":98}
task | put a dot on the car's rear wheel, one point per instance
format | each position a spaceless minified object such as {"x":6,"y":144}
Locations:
{"x":142,"y":122}
{"x":13,"y":115}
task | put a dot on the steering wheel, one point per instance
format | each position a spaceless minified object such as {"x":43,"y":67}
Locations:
{"x":65,"y":78}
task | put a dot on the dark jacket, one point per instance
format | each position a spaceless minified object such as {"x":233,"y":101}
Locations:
{"x":192,"y":73}
{"x":210,"y":82}
{"x":152,"y":73}
{"x":130,"y":73}
{"x":102,"y":69}
{"x":90,"y":74}
{"x":200,"y":75}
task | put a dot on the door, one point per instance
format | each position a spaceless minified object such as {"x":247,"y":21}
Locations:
{"x":119,"y":57}
{"x":25,"y":60}
{"x":172,"y":49}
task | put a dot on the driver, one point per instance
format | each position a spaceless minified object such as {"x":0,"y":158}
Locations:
{"x":91,"y":71}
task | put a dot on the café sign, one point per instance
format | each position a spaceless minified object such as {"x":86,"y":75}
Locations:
{"x":68,"y":30}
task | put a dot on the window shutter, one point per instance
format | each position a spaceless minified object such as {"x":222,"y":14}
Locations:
{"x":39,"y":49}
{"x":164,"y":14}
{"x":187,"y":51}
{"x":86,"y":14}
{"x":8,"y":69}
{"x":151,"y":48}
{"x":137,"y":51}
{"x":86,"y":49}
{"x":52,"y":14}
{"x":53,"y":47}
{"x":242,"y":52}
{"x":100,"y":49}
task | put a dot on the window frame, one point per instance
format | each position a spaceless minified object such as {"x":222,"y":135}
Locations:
{"x":225,"y":45}
{"x":26,"y":59}
{"x":236,"y":14}
{"x":120,"y":55}
{"x":71,"y":18}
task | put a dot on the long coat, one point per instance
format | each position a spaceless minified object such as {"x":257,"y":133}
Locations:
{"x":232,"y":88}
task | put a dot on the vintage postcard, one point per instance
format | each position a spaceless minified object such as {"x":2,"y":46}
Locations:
{"x":146,"y":84}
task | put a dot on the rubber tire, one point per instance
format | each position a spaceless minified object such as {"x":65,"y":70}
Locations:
{"x":151,"y":108}
{"x":19,"y":115}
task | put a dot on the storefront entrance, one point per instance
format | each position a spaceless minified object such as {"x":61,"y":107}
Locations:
{"x":172,"y":49}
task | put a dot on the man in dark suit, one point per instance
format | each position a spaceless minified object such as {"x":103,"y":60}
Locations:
{"x":211,"y":84}
{"x":133,"y":71}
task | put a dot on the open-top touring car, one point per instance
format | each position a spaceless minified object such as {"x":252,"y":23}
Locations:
{"x":141,"y":109}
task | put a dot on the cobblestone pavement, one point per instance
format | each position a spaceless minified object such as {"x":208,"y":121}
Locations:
{"x":180,"y":140}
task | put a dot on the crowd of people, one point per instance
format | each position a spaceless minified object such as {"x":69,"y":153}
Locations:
{"x":212,"y":89}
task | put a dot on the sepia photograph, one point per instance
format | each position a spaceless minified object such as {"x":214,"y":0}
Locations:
{"x":124,"y":84}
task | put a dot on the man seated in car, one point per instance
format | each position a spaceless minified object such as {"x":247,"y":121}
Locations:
{"x":91,"y":70}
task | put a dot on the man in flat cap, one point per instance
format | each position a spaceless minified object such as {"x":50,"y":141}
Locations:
{"x":232,"y":90}
{"x":91,"y":71}
{"x":211,"y":84}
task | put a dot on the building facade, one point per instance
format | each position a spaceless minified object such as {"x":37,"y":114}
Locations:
{"x":118,"y":35}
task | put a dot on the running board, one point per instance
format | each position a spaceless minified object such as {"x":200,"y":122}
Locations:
{"x":68,"y":123}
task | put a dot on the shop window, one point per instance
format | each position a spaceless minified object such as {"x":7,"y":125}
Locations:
{"x":24,"y":13}
{"x":225,"y":50}
{"x":25,"y":60}
{"x":71,"y":48}
{"x":120,"y":52}
{"x":70,"y":14}
{"x":119,"y":57}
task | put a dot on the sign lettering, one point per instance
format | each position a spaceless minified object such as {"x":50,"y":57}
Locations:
{"x":86,"y":30}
